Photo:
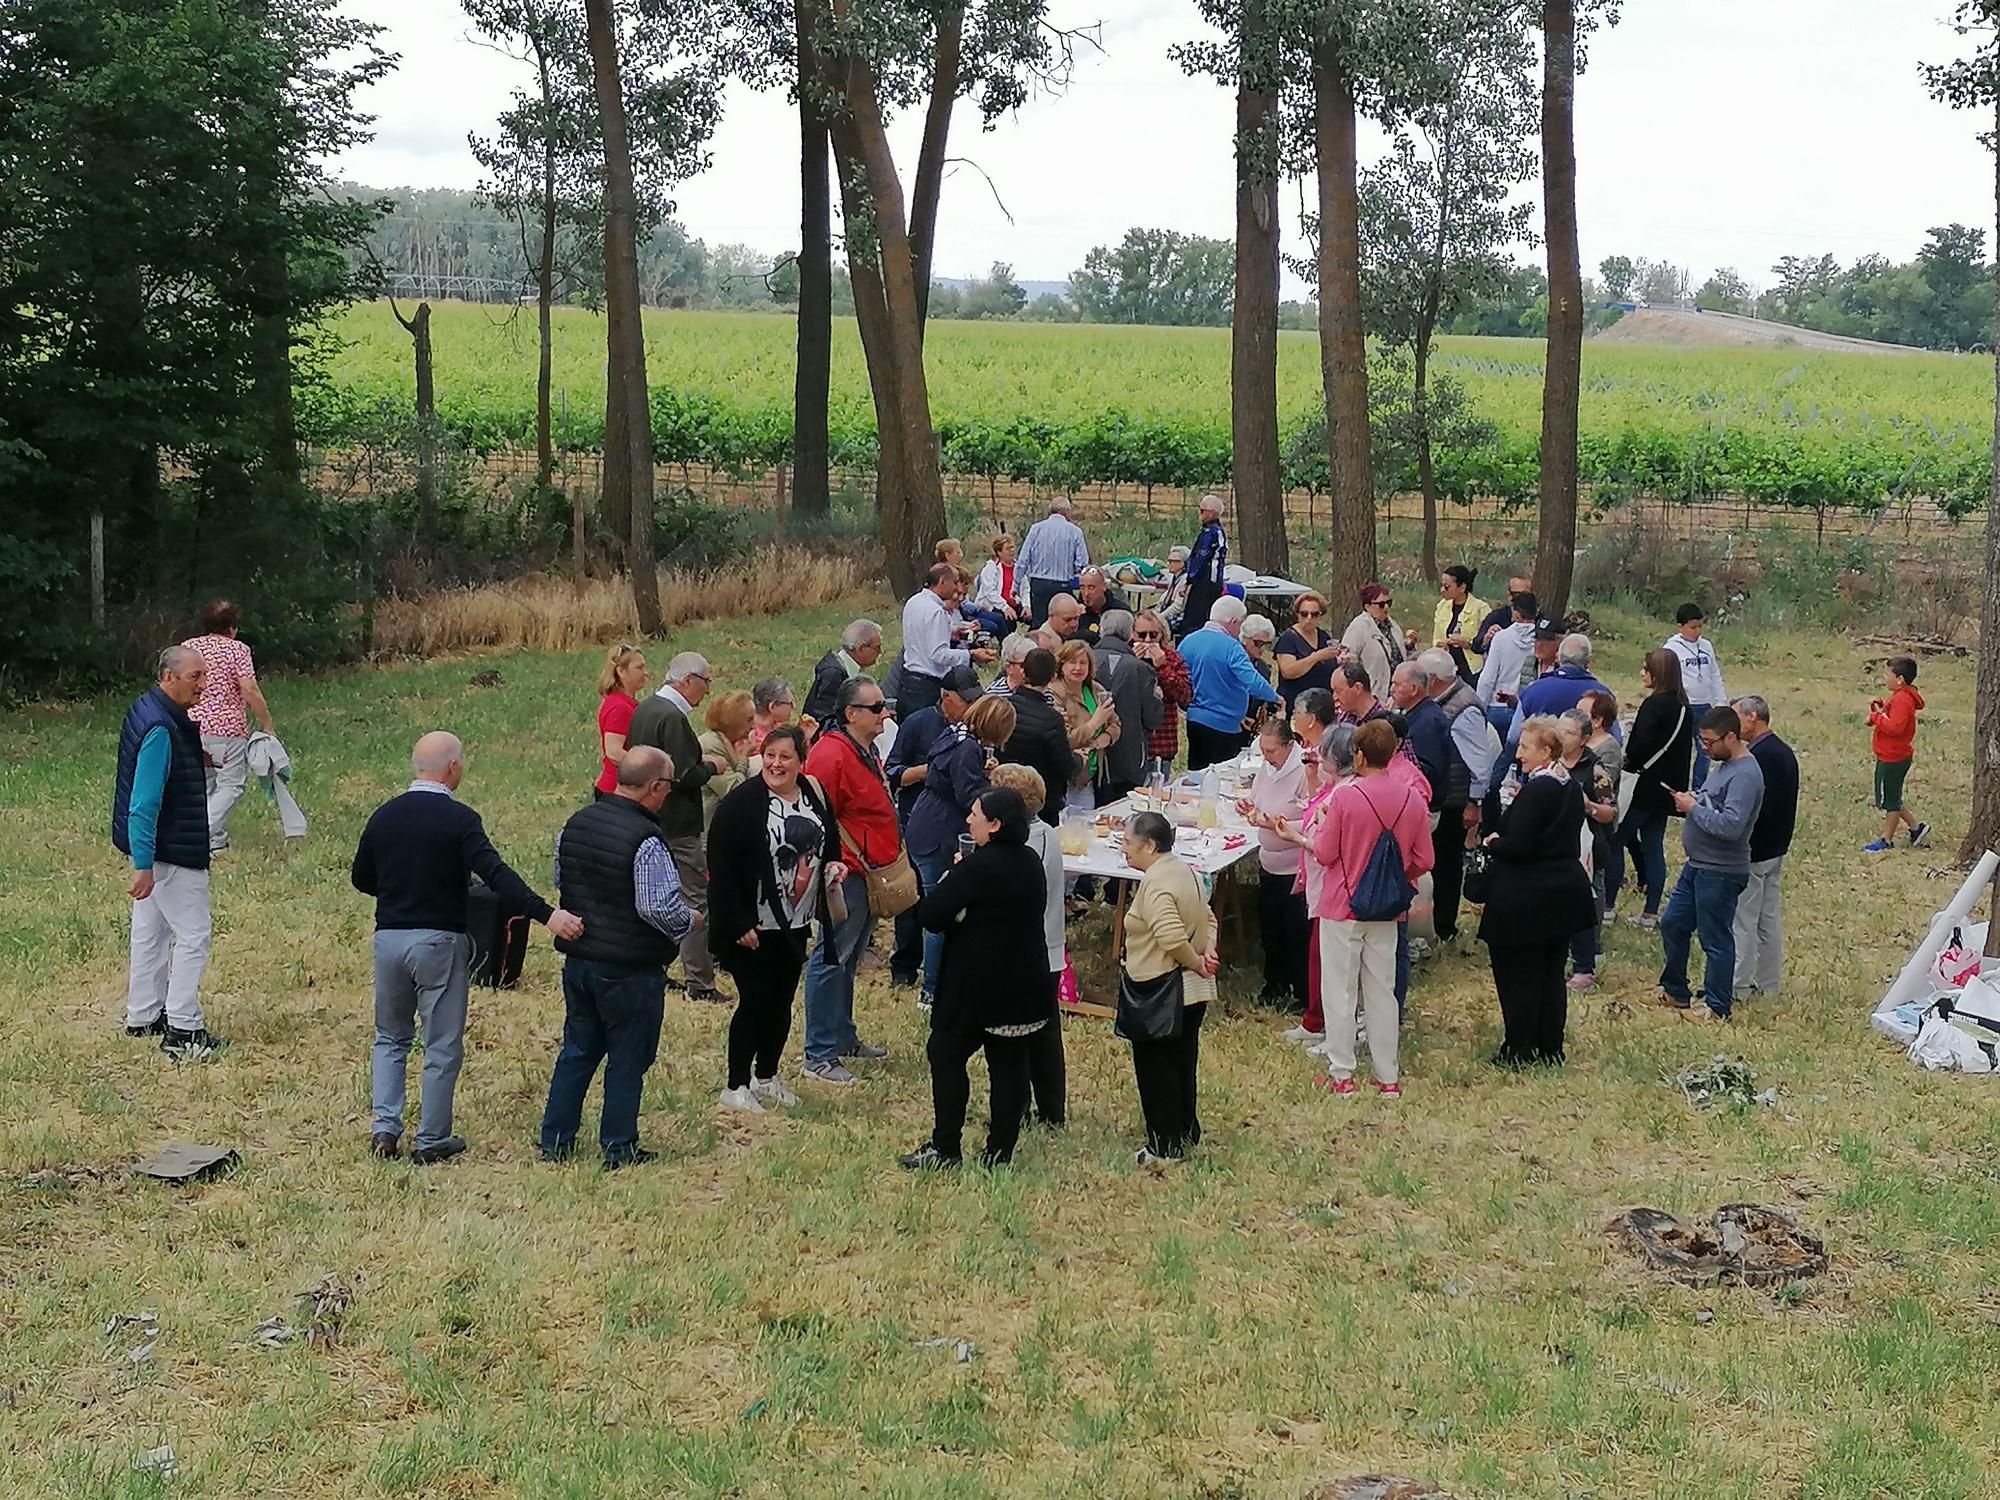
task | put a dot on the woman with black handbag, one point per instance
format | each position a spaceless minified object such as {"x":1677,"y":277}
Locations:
{"x":992,"y":987}
{"x":1540,"y":898}
{"x":1164,"y":988}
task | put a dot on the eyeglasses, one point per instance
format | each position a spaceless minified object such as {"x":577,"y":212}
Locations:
{"x":880,"y":705}
{"x":1710,"y":741}
{"x":698,"y":677}
{"x":1146,"y":635}
{"x":1378,"y":603}
{"x":1310,"y":614}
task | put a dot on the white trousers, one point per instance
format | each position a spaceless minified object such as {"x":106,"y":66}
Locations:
{"x":170,"y":931}
{"x":226,"y":780}
{"x":1357,"y":970}
{"x":1760,"y":929}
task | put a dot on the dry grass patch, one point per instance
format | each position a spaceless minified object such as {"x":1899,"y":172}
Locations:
{"x":552,"y":614}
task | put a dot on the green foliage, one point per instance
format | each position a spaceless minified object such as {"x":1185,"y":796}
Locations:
{"x":1065,"y":404}
{"x":1157,"y":276}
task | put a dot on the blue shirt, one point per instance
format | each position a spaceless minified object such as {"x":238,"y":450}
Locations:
{"x":1053,"y":549}
{"x":1223,"y":679}
{"x":656,"y":886}
{"x":1556,"y":693}
{"x":149,"y":785}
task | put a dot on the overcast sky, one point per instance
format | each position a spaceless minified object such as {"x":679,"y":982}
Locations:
{"x":1710,"y":133}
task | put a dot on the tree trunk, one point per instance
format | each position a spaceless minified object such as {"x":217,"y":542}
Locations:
{"x":426,"y":380}
{"x":545,"y":295}
{"x":1983,"y":830}
{"x":929,"y":183}
{"x":813,"y":378}
{"x":1343,"y":353}
{"x":1562,"y":383}
{"x":1426,"y":473}
{"x":912,"y":524}
{"x":269,"y":302}
{"x":871,"y":317}
{"x":625,"y":371}
{"x":1253,"y":367}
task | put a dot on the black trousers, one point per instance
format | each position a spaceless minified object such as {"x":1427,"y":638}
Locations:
{"x":1040,"y":592}
{"x":1287,"y":934}
{"x":767,"y":977}
{"x":1448,"y":871}
{"x":1201,"y":596}
{"x":1534,"y":1005}
{"x":1048,"y":1072}
{"x":1166,"y":1074}
{"x":1208,"y":747}
{"x":951,"y":1090}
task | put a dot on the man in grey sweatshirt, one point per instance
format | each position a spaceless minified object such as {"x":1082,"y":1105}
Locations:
{"x":1716,"y":838}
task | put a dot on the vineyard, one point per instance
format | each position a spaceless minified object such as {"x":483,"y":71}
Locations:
{"x":1061,"y":405}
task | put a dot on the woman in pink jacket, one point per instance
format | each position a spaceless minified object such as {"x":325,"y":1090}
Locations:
{"x":1357,"y":958}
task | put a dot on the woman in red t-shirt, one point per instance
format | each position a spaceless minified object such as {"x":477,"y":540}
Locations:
{"x":619,"y":684}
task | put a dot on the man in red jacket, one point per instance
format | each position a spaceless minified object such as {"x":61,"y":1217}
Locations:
{"x":844,"y":763}
{"x":1894,"y":721}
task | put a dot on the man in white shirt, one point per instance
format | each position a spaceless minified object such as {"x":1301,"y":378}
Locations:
{"x":931,"y":653}
{"x":1701,"y":674}
{"x":1053,"y":556}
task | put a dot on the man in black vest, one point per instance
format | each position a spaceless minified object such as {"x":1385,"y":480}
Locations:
{"x":613,"y":870}
{"x":161,"y":795}
{"x":416,"y":857}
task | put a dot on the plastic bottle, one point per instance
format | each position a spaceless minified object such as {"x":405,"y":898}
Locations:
{"x":1205,"y":815}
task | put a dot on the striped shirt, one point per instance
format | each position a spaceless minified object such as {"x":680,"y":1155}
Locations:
{"x":1053,"y":549}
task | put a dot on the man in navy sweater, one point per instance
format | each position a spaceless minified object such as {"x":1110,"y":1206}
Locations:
{"x":1760,"y":922}
{"x":414,"y":859}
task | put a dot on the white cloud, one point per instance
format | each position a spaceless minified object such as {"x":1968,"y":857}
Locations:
{"x":1710,"y":133}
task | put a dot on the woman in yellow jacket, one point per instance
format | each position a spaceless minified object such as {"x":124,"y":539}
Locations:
{"x":1167,"y":927}
{"x":1455,"y":626}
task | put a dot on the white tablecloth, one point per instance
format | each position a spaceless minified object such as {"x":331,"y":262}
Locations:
{"x":1209,"y":851}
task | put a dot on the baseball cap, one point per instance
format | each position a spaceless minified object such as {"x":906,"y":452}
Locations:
{"x":964,"y":682}
{"x":1547,"y":629}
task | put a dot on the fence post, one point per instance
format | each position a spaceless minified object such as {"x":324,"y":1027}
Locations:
{"x":97,"y":568}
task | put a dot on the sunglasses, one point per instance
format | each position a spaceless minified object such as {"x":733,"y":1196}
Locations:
{"x":1310,"y":614}
{"x":880,"y":705}
{"x":1378,"y":603}
{"x":1146,"y":635}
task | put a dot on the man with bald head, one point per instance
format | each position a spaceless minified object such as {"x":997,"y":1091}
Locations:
{"x":415,"y":857}
{"x":160,"y":798}
{"x":614,"y":871}
{"x":1065,"y":617}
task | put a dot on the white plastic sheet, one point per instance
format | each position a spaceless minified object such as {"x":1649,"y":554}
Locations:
{"x":1898,"y":1016}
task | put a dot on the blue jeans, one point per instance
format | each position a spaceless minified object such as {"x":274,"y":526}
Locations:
{"x":1501,"y":717}
{"x":1704,"y":905}
{"x":611,"y":1014}
{"x":1645,"y":834}
{"x":1699,"y":776}
{"x":992,"y":621}
{"x":930,"y":870}
{"x":830,"y":976}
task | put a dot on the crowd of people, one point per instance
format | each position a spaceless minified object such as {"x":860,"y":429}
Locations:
{"x":729,"y":830}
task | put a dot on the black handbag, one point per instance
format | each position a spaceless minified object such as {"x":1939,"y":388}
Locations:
{"x":1477,"y":883}
{"x":1150,"y":1010}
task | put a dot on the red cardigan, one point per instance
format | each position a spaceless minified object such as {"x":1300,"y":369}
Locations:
{"x":1896,"y":725}
{"x":858,"y":794}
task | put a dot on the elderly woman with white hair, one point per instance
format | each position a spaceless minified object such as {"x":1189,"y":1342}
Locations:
{"x":1174,"y":587}
{"x":1207,"y":566}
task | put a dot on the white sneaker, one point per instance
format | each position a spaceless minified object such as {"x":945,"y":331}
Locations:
{"x":1318,"y":1049}
{"x":741,"y":1099}
{"x":772,"y":1091}
{"x":1300,"y":1034}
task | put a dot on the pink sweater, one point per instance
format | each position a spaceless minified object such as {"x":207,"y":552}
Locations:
{"x":1354,"y":819}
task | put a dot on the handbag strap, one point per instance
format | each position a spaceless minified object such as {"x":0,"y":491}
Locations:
{"x":1680,"y":718}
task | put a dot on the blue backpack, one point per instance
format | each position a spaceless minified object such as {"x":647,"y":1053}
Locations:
{"x":1383,"y":893}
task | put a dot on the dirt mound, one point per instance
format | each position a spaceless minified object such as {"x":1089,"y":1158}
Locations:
{"x":1687,"y":328}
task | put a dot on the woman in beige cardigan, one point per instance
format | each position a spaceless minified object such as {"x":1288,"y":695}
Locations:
{"x":1168,"y":926}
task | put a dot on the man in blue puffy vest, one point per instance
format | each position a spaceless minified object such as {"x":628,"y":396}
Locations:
{"x":159,"y":820}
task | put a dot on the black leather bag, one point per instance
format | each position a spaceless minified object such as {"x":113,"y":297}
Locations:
{"x":1477,"y":883}
{"x":499,"y":941}
{"x":1150,"y":1010}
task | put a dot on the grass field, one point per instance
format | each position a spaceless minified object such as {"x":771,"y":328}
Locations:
{"x":1087,"y":403}
{"x":1331,"y":1287}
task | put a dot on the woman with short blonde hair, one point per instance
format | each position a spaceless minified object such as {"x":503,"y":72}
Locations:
{"x":731,"y":718}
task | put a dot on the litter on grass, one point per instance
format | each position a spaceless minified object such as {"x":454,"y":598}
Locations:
{"x":962,"y":1350}
{"x":146,"y":1325}
{"x":158,"y":1460}
{"x":183,"y":1161}
{"x":1744,"y":1242}
{"x":1945,"y":1004}
{"x":1723,"y":1081}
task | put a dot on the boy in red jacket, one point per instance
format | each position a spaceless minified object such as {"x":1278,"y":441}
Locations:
{"x":1895,"y":724}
